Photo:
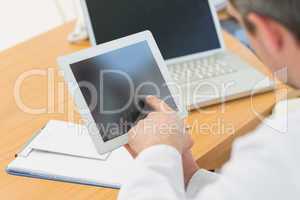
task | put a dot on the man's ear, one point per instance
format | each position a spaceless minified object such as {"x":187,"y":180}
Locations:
{"x":268,"y":32}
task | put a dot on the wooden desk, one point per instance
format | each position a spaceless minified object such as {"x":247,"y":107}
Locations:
{"x":17,"y":127}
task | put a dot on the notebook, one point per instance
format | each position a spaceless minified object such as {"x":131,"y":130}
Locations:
{"x":63,"y":151}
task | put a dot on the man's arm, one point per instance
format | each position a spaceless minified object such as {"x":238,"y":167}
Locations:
{"x":263,"y":165}
{"x":158,"y":141}
{"x":164,"y":163}
{"x":189,"y":165}
{"x":157,"y":174}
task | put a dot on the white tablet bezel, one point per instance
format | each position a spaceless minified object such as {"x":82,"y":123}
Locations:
{"x":170,"y":61}
{"x":65,"y":62}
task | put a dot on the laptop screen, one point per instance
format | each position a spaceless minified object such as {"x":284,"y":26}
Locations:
{"x":180,"y":27}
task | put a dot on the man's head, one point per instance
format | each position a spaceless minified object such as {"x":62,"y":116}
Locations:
{"x":273,"y":27}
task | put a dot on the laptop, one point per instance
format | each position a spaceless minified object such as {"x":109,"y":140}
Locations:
{"x":189,"y":37}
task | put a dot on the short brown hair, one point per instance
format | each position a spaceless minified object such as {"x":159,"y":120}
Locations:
{"x":286,"y":12}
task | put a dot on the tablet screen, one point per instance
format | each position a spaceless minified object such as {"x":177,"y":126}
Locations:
{"x":113,"y":85}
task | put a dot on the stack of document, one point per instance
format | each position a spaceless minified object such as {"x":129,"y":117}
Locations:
{"x":65,"y":152}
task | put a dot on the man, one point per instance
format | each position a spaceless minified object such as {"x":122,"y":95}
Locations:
{"x":264,"y":164}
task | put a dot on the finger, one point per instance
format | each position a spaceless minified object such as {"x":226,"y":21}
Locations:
{"x":135,"y":129}
{"x":157,"y":104}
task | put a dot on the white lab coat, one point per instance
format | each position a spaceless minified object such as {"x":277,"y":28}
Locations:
{"x":264,"y":165}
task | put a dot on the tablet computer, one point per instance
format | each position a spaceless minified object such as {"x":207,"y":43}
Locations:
{"x":108,"y":83}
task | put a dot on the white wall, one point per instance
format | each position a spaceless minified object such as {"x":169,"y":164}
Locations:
{"x":23,"y":19}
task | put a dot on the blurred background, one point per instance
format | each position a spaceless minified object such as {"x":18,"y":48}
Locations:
{"x":22,"y":20}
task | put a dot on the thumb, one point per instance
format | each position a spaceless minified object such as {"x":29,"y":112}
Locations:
{"x":157,"y":104}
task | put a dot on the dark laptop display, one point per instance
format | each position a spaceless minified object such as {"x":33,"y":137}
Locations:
{"x":180,"y":27}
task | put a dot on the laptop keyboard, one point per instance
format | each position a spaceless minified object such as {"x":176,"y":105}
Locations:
{"x":199,"y":69}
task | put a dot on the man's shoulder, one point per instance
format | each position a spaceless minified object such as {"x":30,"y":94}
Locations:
{"x":281,"y":128}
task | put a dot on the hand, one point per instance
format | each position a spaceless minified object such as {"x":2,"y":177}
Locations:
{"x":163,"y":126}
